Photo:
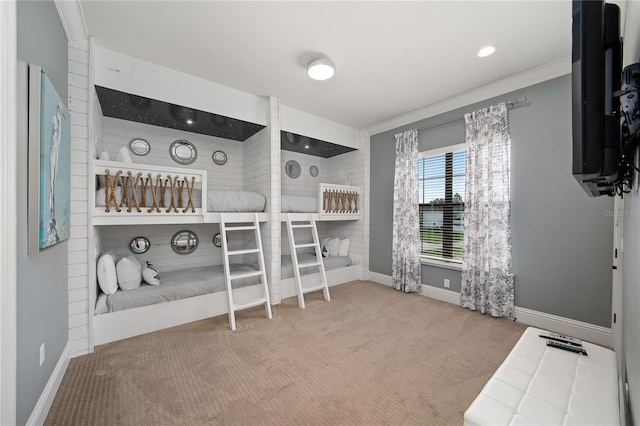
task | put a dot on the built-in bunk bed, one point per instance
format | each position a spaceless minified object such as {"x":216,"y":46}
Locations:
{"x":156,"y":210}
{"x":318,"y":187}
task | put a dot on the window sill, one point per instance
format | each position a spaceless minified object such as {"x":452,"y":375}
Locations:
{"x":456,"y":266}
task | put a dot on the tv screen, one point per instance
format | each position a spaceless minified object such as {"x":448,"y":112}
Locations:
{"x":595,"y":76}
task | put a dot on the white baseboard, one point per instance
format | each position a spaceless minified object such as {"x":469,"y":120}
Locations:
{"x":41,"y":410}
{"x":593,"y":333}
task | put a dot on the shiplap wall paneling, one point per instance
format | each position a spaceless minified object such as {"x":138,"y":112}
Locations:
{"x":118,"y":133}
{"x":117,"y":238}
{"x":78,"y":287}
{"x":305,"y":184}
{"x":273,"y":226}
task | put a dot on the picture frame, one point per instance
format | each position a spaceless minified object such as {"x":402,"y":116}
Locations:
{"x":49,"y":189}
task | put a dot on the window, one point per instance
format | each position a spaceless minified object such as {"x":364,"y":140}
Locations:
{"x":441,"y":176}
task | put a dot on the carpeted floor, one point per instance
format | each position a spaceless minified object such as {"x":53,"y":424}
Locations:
{"x":370,"y":356}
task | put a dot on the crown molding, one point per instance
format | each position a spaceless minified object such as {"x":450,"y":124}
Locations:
{"x":528,"y":78}
{"x":72,"y":19}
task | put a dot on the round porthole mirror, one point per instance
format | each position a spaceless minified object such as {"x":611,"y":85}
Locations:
{"x":292,"y":168}
{"x":184,"y":242}
{"x":219,"y":157}
{"x":217,"y":240}
{"x":139,"y":146}
{"x":183,"y":152}
{"x":139,"y":245}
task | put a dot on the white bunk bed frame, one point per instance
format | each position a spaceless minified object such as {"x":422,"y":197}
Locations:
{"x":119,"y":325}
{"x":328,"y":211}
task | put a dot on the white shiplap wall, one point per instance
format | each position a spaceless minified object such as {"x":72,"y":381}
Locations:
{"x":273,"y":231}
{"x":117,"y":134}
{"x":78,"y":81}
{"x":305,"y":184}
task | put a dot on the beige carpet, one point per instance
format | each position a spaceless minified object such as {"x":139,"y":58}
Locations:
{"x":370,"y":356}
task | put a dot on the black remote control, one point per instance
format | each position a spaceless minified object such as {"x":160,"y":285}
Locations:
{"x":569,"y":348}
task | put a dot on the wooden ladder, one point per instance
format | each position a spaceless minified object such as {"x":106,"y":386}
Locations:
{"x":230,"y":276}
{"x":309,"y":224}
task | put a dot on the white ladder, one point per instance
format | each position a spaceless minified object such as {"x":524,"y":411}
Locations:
{"x":229,"y":276}
{"x":310,"y":224}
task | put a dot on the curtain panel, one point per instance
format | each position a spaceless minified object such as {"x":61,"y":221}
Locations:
{"x":487,"y":271}
{"x":406,"y":268}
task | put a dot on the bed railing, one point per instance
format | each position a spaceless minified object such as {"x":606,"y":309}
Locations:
{"x":144,"y":193}
{"x":338,"y":201}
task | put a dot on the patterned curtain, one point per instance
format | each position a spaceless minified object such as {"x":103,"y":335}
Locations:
{"x":406,"y":267}
{"x":487,"y":272}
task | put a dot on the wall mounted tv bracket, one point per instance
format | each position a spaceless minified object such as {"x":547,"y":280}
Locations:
{"x":629,"y":95}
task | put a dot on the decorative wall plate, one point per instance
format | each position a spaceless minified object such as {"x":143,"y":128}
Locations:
{"x":313,"y":171}
{"x":219,"y":157}
{"x":184,"y":242}
{"x":217,"y":240}
{"x":183,"y":152}
{"x":292,"y":168}
{"x":139,"y":245}
{"x":139,"y":146}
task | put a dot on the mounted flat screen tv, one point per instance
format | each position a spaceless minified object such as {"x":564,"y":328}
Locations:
{"x":595,"y":75}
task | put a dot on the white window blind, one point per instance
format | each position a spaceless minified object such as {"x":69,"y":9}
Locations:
{"x":441,"y":185}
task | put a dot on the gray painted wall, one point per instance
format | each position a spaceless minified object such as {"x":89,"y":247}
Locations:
{"x":562,"y":240}
{"x":630,"y":265}
{"x":42,"y":278}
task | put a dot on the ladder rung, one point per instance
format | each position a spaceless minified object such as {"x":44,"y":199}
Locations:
{"x":305,"y":245}
{"x":307,"y":265}
{"x":308,"y":225}
{"x":247,"y":251}
{"x":248,"y":305}
{"x":310,"y":289}
{"x":239,"y":275}
{"x":240,"y":228}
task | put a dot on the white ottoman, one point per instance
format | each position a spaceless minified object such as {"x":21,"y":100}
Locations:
{"x":540,"y":385}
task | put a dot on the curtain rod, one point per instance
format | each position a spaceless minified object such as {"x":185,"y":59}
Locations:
{"x":510,"y":104}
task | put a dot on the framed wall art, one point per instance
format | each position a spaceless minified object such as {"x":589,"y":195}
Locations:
{"x":49,"y":163}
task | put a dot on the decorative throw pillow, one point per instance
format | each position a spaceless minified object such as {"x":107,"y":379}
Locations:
{"x":104,"y":155}
{"x":129,"y":272}
{"x":124,"y":156}
{"x":101,"y":196}
{"x":345,"y":244}
{"x":106,"y":271}
{"x":333,"y":246}
{"x":323,"y":248}
{"x":150,"y":274}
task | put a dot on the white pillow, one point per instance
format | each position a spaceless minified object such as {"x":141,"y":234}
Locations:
{"x":345,"y":244}
{"x":106,"y":271}
{"x":150,"y":274}
{"x":100,"y":196}
{"x":333,"y":246}
{"x":129,"y":272}
{"x":104,"y":155}
{"x":124,"y":156}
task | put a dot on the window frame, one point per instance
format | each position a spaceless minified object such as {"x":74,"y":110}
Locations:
{"x":438,"y":261}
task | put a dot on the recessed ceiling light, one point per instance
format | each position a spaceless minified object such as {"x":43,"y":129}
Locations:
{"x":321,"y":69}
{"x":306,"y":146}
{"x":189,"y":121}
{"x":486,"y":51}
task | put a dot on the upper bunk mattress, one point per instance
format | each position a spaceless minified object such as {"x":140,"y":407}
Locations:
{"x":217,"y":201}
{"x":298,"y":204}
{"x":174,"y":285}
{"x":235,"y":201}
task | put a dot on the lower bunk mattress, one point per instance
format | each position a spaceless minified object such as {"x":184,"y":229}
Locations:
{"x":331,"y":262}
{"x":175,"y":285}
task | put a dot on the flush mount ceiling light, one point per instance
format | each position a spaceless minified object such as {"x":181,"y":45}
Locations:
{"x":486,"y":51}
{"x":321,"y":69}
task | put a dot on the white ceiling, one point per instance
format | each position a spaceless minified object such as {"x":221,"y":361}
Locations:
{"x":391,"y":57}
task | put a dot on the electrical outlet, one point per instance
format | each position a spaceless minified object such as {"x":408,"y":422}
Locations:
{"x":41,"y":354}
{"x":446,"y":283}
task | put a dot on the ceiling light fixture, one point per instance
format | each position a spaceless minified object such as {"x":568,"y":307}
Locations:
{"x":321,"y":69}
{"x":486,"y":51}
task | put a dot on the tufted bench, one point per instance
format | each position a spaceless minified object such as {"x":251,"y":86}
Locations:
{"x":540,"y":385}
